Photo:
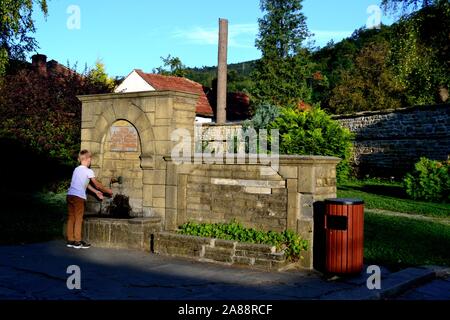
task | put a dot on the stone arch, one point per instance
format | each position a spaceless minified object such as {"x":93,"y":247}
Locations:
{"x":120,"y":156}
{"x":131,"y":113}
{"x":97,"y":133}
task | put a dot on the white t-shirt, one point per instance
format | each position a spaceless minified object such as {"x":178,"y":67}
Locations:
{"x":80,"y":181}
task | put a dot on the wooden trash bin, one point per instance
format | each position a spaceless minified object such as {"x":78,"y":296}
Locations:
{"x":344,"y":229}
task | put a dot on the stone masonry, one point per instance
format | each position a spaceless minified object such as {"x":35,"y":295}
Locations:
{"x":121,"y":153}
{"x":136,"y":233}
{"x":253,"y":194}
{"x":227,"y":252}
{"x":154,"y":115}
{"x":389,"y":143}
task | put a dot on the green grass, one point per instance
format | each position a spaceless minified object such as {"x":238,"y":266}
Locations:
{"x":390,"y":196}
{"x":31,"y":217}
{"x":399,"y":242}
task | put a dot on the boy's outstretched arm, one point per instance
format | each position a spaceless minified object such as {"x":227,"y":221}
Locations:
{"x":98,"y":193}
{"x":100,"y":187}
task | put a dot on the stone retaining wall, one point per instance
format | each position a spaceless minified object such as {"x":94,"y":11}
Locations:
{"x":255,"y":195}
{"x":217,"y":193}
{"x":389,"y":143}
{"x":219,"y":251}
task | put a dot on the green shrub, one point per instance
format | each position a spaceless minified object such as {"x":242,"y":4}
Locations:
{"x":60,"y":186}
{"x":313,"y":132}
{"x":429,"y":181}
{"x":288,"y":241}
{"x":264,"y":114}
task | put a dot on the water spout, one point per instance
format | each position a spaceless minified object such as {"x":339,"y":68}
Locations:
{"x":109,"y":201}
{"x":118,"y":180}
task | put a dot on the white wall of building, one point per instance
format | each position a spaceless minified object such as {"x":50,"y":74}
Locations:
{"x":133,"y":83}
{"x":202,"y":120}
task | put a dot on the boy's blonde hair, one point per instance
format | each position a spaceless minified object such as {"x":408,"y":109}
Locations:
{"x":83,"y":155}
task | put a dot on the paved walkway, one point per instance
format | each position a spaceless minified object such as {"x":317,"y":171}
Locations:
{"x":409,"y":216}
{"x":38,"y":271}
{"x":438,"y":289}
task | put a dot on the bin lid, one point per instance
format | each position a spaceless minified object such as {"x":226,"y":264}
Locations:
{"x":345,"y":201}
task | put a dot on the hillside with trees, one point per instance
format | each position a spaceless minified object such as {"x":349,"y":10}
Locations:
{"x":401,"y":65}
{"x":239,"y":74}
{"x":395,"y":66}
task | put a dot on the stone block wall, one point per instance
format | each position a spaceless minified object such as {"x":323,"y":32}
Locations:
{"x":218,"y":136}
{"x":121,"y":234}
{"x":254,"y":194}
{"x":216,"y":194}
{"x":228,"y":252}
{"x":389,"y":143}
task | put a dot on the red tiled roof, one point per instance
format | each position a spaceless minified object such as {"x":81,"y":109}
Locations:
{"x":160,"y":82}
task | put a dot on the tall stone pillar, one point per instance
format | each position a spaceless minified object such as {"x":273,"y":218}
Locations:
{"x":222,"y":72}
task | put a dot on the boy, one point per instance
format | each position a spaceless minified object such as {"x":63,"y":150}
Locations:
{"x":76,"y":197}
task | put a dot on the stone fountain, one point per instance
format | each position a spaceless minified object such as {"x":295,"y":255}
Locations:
{"x":130,"y":136}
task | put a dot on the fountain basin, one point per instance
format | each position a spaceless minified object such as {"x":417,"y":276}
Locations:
{"x":134,"y":233}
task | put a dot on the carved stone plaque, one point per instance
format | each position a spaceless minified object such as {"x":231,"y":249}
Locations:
{"x":124,"y":137}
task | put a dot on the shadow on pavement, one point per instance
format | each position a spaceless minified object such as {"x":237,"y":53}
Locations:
{"x":38,"y":271}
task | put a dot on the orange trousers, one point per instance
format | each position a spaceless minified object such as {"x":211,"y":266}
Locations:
{"x":75,"y":209}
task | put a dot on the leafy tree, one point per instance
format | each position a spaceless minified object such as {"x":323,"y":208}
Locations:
{"x":370,"y":85}
{"x":99,"y":77}
{"x":414,"y":56}
{"x":172,"y":66}
{"x":420,"y":53}
{"x":407,"y":5}
{"x":15,"y":27}
{"x":337,"y":60}
{"x":283,"y":74}
{"x":43,"y":113}
{"x":282,"y":29}
{"x":237,"y":82}
{"x":239,"y":79}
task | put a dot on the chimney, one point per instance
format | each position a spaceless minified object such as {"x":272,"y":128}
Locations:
{"x":39,"y":63}
{"x":222,"y":72}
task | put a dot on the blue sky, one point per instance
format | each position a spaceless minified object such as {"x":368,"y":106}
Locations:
{"x":134,"y":34}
